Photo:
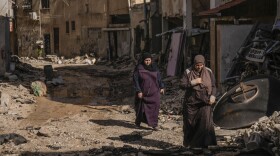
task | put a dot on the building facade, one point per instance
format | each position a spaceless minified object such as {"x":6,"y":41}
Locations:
{"x":6,"y":29}
{"x":68,"y":28}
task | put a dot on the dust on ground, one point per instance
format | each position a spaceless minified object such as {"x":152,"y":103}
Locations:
{"x":89,"y":114}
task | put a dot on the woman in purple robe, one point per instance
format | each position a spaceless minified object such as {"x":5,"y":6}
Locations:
{"x":148,"y":86}
{"x":199,"y":84}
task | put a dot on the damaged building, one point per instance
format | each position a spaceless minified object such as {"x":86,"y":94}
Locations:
{"x":71,"y":28}
{"x":230,"y":24}
{"x":6,"y":30}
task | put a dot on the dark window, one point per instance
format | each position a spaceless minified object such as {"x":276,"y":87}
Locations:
{"x":120,"y":19}
{"x":87,"y":8}
{"x":47,"y":44}
{"x":67,"y":26}
{"x":45,"y":4}
{"x":73,"y":25}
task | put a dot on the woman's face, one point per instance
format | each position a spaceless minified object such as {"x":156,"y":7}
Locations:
{"x":148,"y":61}
{"x":198,"y":67}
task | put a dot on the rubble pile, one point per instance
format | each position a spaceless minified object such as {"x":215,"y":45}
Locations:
{"x":258,"y":55}
{"x":86,"y":59}
{"x":173,"y":97}
{"x":264,"y":133}
{"x":121,"y":62}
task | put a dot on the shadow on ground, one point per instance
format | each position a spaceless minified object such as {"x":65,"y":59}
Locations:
{"x":119,"y":123}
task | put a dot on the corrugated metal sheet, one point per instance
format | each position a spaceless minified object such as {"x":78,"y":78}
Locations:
{"x":245,"y":8}
{"x":172,"y":8}
{"x":216,"y":10}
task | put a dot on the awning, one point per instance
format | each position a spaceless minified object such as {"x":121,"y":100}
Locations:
{"x":216,"y":11}
{"x":194,"y":31}
{"x":115,"y":29}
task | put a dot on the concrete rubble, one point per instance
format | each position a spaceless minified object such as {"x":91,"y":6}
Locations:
{"x":120,"y":91}
{"x":264,"y":134}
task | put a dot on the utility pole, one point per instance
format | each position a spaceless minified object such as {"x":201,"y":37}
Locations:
{"x":187,"y":15}
{"x":146,"y":28}
{"x":40,"y":29}
{"x":187,"y":24}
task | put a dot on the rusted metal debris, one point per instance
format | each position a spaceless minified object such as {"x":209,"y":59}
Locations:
{"x":258,"y":55}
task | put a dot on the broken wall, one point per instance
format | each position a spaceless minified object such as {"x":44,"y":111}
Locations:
{"x":28,"y":29}
{"x":229,"y":40}
{"x":79,"y":25}
{"x":69,"y":26}
{"x":89,"y":17}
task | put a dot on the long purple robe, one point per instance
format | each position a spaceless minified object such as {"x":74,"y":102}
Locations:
{"x":149,"y":83}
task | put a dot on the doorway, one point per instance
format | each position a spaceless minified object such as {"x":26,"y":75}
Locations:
{"x":47,"y":44}
{"x":56,"y":40}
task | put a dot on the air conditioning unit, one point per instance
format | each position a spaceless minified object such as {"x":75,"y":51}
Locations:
{"x":33,"y":15}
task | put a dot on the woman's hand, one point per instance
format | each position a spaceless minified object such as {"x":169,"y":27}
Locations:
{"x":140,"y":95}
{"x":212,"y":99}
{"x":196,"y":81}
{"x":162,"y":91}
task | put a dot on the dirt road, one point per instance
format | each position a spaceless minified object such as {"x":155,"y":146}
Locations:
{"x":90,"y":114}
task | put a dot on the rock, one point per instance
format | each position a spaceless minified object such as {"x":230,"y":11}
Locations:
{"x":262,"y":119}
{"x":18,"y":139}
{"x":57,"y":81}
{"x":141,"y":154}
{"x":277,"y":127}
{"x":13,"y":78}
{"x":254,"y":141}
{"x":87,"y":61}
{"x":54,"y":147}
{"x":39,"y":88}
{"x":125,"y":109}
{"x":22,"y":88}
{"x":15,"y":138}
{"x":93,"y":60}
{"x":169,"y":126}
{"x":42,"y":134}
{"x":2,"y":140}
{"x":5,"y":102}
{"x":59,"y":62}
{"x":275,"y":114}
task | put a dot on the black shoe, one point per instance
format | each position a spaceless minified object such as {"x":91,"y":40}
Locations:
{"x":137,"y":125}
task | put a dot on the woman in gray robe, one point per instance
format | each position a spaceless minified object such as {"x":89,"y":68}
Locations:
{"x":199,"y":84}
